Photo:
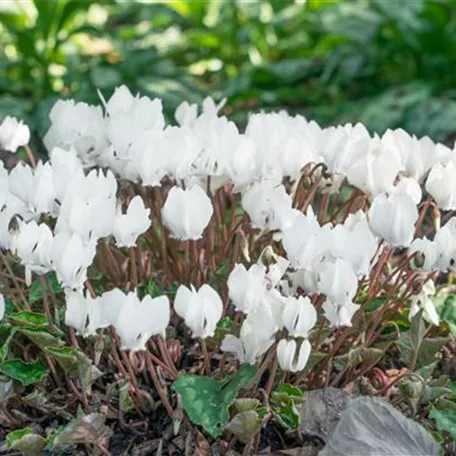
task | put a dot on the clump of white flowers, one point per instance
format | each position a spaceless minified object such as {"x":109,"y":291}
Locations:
{"x":73,"y":208}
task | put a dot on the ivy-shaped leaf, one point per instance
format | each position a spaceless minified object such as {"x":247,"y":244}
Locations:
{"x":28,"y":320}
{"x":445,"y":420}
{"x":41,"y":337}
{"x":83,"y":429}
{"x":26,"y":373}
{"x":25,"y":441}
{"x":206,"y":401}
{"x":75,"y":363}
{"x":284,"y":401}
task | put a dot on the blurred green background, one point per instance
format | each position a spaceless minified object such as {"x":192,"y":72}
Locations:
{"x":387,"y":63}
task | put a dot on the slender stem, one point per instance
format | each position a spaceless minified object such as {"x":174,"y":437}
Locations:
{"x":133,"y":269}
{"x":161,"y":392}
{"x":207,"y":360}
{"x":272,"y":377}
{"x":16,"y":283}
{"x":46,"y":307}
{"x":166,"y":356}
{"x":30,"y":156}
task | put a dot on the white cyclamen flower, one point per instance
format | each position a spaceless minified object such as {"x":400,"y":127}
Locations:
{"x":423,"y":300}
{"x":427,"y":254}
{"x":35,"y":188}
{"x":256,"y":336}
{"x":286,"y":355}
{"x":32,"y":243}
{"x":187,"y":213}
{"x":83,"y":313}
{"x":65,"y":166}
{"x":269,"y":207}
{"x":70,"y":258}
{"x":200,"y":309}
{"x":299,"y":316}
{"x":136,"y":321}
{"x":393,"y":217}
{"x":445,"y":240}
{"x":246,"y":288}
{"x":13,"y":134}
{"x":441,"y":185}
{"x":354,"y":242}
{"x":337,"y":281}
{"x":78,"y":126}
{"x":339,"y":314}
{"x":128,"y":227}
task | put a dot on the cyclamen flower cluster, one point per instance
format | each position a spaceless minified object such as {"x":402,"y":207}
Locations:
{"x":129,"y":137}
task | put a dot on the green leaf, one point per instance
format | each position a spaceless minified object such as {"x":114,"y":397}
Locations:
{"x":426,"y":371}
{"x":5,"y":346}
{"x":417,"y":330}
{"x":206,"y":401}
{"x":246,"y":403}
{"x":288,"y":416}
{"x":75,"y":363}
{"x":36,"y":292}
{"x":245,"y":425}
{"x":286,"y":395}
{"x":290,"y":390}
{"x":25,"y":441}
{"x":125,"y":400}
{"x":375,"y":303}
{"x":445,"y":420}
{"x":446,"y":308}
{"x":66,"y":357}
{"x":26,"y":373}
{"x":360,"y":355}
{"x":83,"y":429}
{"x":42,"y":338}
{"x":225,"y":323}
{"x":6,"y":390}
{"x":28,"y":320}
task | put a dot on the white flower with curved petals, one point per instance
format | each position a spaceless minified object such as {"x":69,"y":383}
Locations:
{"x":427,"y":250}
{"x":70,"y":258}
{"x":256,"y":337}
{"x":445,"y":240}
{"x":286,"y":355}
{"x":137,"y":321}
{"x":187,"y":213}
{"x":65,"y":165}
{"x":200,"y":309}
{"x":441,"y":185}
{"x":246,"y":288}
{"x":337,"y":281}
{"x":299,"y":316}
{"x":128,"y":227}
{"x":393,"y":217}
{"x":79,"y":126}
{"x":339,"y":314}
{"x":13,"y":134}
{"x":35,"y":188}
{"x":32,"y":243}
{"x":83,"y":313}
{"x":423,"y":300}
{"x":269,"y":207}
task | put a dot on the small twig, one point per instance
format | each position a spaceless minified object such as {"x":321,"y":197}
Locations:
{"x":161,"y":392}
